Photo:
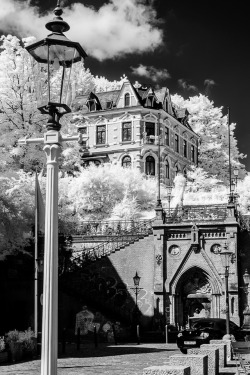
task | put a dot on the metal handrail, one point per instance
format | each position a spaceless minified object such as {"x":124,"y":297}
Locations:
{"x":125,"y":237}
{"x":191,"y":213}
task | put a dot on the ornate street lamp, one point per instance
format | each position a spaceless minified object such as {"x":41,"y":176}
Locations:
{"x":236,"y":175}
{"x":246,"y":312}
{"x":169,"y":197}
{"x":226,"y":257}
{"x":136,"y":290}
{"x":56,"y":54}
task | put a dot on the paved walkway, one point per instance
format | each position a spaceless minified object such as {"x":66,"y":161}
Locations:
{"x":129,"y":359}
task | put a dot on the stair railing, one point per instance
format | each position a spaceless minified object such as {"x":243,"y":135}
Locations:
{"x":137,"y":230}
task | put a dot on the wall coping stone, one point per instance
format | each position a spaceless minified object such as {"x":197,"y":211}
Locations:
{"x":228,"y":344}
{"x":213,"y":358}
{"x":222,"y":352}
{"x":167,"y":370}
{"x":197,"y":362}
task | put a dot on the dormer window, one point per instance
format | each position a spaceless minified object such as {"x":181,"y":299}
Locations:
{"x":127,"y":100}
{"x":109,"y":104}
{"x":150,"y":101}
{"x":91,"y":103}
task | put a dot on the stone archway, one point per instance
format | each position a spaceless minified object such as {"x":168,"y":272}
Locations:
{"x":194,"y":296}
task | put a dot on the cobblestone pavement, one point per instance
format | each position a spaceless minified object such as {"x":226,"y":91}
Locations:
{"x":129,"y":359}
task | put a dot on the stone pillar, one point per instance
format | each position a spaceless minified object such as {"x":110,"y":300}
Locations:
{"x":213,"y":358}
{"x":50,"y":283}
{"x":198,"y":363}
{"x":159,"y":275}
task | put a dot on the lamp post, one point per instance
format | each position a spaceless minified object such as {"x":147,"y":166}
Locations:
{"x":229,"y":152}
{"x":225,"y":258}
{"x":56,"y":54}
{"x":159,"y":164}
{"x":136,"y":290}
{"x":236,"y":175}
{"x":246,"y":312}
{"x":169,"y":197}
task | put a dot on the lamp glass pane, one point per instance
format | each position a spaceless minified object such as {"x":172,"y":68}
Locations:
{"x":40,"y":76}
{"x":40,"y":52}
{"x":64,"y":54}
{"x":246,"y":277}
{"x":136,"y":279}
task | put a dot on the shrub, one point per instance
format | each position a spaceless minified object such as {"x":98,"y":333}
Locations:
{"x":2,"y":344}
{"x":13,"y":336}
{"x":26,"y":338}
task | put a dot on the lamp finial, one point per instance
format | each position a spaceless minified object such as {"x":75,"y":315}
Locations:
{"x":57,"y":24}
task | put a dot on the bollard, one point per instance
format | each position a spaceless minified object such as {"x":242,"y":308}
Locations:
{"x":95,"y":337}
{"x":138,"y":334}
{"x":166,"y":333}
{"x":78,"y":339}
{"x":39,"y":343}
{"x":114,"y":333}
{"x":63,"y":340}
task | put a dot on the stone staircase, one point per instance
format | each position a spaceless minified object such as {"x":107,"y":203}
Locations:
{"x":108,"y":238}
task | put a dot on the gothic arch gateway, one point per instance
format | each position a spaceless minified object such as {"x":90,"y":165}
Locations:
{"x":195,"y":296}
{"x":190,"y":279}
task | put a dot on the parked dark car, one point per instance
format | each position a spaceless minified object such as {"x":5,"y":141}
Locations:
{"x":202,"y":330}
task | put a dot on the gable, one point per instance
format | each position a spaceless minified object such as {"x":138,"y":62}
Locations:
{"x":127,"y":92}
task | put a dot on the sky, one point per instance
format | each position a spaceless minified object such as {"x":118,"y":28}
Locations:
{"x":191,"y":47}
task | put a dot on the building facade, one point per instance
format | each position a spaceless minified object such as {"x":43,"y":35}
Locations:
{"x":180,"y":265}
{"x":137,"y":127}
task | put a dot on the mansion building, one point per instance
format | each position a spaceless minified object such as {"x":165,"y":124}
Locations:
{"x":136,"y":126}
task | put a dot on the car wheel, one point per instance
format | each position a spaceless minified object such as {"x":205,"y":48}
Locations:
{"x":184,"y":351}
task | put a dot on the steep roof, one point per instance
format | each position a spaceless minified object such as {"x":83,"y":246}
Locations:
{"x":106,"y":100}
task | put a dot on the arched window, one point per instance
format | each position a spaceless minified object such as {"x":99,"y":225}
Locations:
{"x":127,"y":100}
{"x":150,"y":166}
{"x":176,"y":170}
{"x":167,"y":168}
{"x":192,"y":153}
{"x":176,"y":143}
{"x":126,"y":161}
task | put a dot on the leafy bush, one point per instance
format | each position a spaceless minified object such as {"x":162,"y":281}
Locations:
{"x":26,"y":338}
{"x":2,"y":344}
{"x":13,"y":336}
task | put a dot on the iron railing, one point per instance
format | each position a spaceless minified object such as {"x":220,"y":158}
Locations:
{"x":119,"y":234}
{"x":196,"y":213}
{"x":111,"y":227}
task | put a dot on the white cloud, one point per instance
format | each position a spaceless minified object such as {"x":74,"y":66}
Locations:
{"x":150,"y":72}
{"x":115,"y":29}
{"x":186,"y":86}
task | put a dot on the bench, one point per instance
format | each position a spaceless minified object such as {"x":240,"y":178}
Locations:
{"x":239,"y":349}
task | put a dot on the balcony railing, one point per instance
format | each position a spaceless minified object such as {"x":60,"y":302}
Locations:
{"x":196,"y":213}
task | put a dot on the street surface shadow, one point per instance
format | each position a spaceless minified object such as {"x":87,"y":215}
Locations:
{"x":106,"y":351}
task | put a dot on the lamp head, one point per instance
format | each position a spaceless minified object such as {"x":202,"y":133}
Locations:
{"x":55,"y":54}
{"x":236,"y":172}
{"x":226,"y":256}
{"x":246,"y":277}
{"x":136,"y":279}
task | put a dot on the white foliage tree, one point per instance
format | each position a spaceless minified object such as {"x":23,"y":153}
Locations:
{"x":211,"y":125}
{"x":17,"y":199}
